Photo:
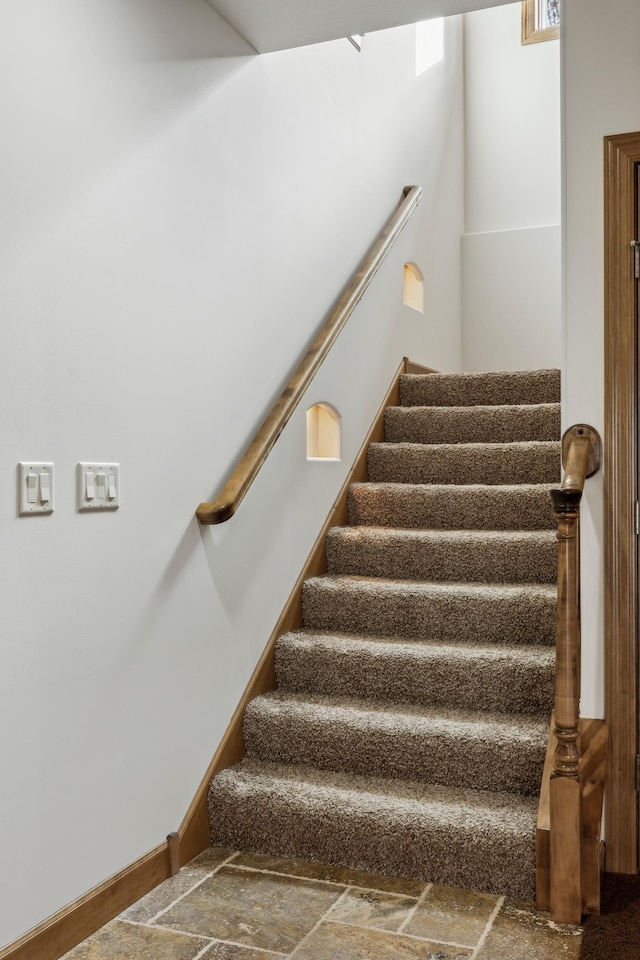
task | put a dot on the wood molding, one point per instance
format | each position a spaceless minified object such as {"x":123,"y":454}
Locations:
{"x":411,"y":367}
{"x":194,"y":830}
{"x":594,"y":737}
{"x":74,"y":923}
{"x":622,"y":154}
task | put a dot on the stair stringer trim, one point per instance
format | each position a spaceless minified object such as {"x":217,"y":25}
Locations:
{"x":194,"y":832}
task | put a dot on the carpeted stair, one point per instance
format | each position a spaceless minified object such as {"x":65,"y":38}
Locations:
{"x":408,"y":732}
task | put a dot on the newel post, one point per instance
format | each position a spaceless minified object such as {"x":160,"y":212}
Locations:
{"x":565,"y":796}
{"x":581,"y":459}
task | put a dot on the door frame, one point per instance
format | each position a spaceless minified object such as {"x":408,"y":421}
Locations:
{"x":621,"y":156}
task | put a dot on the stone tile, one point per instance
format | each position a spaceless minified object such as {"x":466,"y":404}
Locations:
{"x":253,"y":909}
{"x":335,"y":941}
{"x":231,"y":951}
{"x":322,"y":871}
{"x":367,"y":908}
{"x":519,"y":933}
{"x":452,"y":915}
{"x":161,"y":897}
{"x":123,"y":941}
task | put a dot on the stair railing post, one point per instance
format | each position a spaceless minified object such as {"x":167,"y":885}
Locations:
{"x":581,"y":458}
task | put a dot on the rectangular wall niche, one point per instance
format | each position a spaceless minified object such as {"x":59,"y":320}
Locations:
{"x":413,"y":287}
{"x":324,"y":430}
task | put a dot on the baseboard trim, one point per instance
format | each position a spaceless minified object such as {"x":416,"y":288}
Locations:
{"x":77,"y":921}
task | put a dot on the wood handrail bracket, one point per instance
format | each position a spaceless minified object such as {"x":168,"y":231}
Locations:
{"x":569,"y":853}
{"x":221,"y":509}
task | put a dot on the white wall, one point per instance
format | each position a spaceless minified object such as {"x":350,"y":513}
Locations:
{"x":511,"y":299}
{"x":177,"y":217}
{"x":511,"y":247}
{"x":601,"y":83}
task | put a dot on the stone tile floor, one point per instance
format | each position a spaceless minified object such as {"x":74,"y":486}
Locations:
{"x":229,"y":905}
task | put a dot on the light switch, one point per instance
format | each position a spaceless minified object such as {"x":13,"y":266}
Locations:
{"x":35,"y":488}
{"x":45,"y":487}
{"x":98,"y":486}
{"x":32,"y":487}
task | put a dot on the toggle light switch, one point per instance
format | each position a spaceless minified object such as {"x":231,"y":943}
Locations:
{"x":35,"y":488}
{"x":98,"y":486}
{"x":32,"y":487}
{"x":45,"y":487}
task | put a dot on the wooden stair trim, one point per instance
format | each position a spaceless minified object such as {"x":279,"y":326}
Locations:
{"x":419,"y":368}
{"x":594,"y":738}
{"x":194,"y":829}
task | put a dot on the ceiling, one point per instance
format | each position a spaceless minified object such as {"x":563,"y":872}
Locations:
{"x":270,"y":25}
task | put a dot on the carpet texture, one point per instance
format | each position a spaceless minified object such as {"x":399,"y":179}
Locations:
{"x":408,"y":731}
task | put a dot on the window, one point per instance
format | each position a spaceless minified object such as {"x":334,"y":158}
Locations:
{"x":540,"y":20}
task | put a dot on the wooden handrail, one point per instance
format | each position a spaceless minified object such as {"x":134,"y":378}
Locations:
{"x":224,"y":507}
{"x":581,"y":459}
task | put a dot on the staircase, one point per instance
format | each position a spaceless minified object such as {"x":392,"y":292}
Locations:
{"x":408,"y":732}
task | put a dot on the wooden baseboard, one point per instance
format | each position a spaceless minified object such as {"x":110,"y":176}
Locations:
{"x":73,"y":924}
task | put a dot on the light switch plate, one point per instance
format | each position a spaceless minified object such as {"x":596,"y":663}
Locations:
{"x":98,"y":486}
{"x":35,"y":488}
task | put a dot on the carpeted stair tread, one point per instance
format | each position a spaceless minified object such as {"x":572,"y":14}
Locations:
{"x":496,"y":677}
{"x":477,"y":612}
{"x":465,"y":555}
{"x":535,"y":461}
{"x":461,"y":837}
{"x":445,"y":746}
{"x":471,"y":389}
{"x":408,"y":732}
{"x":451,"y":506}
{"x":479,"y":424}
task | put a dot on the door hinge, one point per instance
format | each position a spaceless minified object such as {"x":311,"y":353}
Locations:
{"x":637,"y":518}
{"x":635,"y":246}
{"x":637,"y":774}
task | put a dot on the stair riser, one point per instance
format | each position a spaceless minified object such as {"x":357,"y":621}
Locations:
{"x":409,"y":751}
{"x":508,"y":687}
{"x":471,"y":424}
{"x":283,"y":825}
{"x":455,"y":508}
{"x":450,"y":390}
{"x":428,"y":616}
{"x":411,"y":558}
{"x":490,"y":463}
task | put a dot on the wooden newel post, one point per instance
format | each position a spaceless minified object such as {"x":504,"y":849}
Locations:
{"x":581,"y":459}
{"x":565,"y":799}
